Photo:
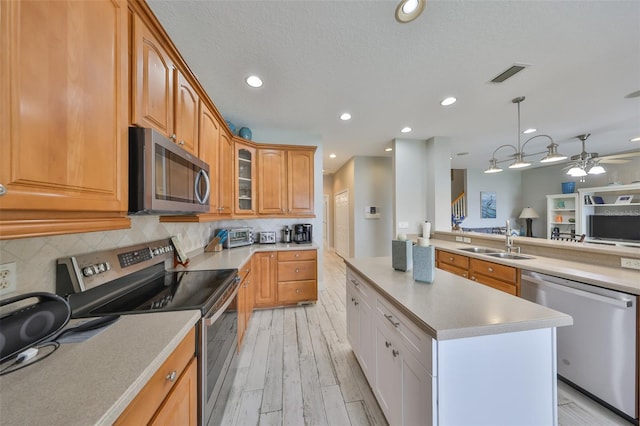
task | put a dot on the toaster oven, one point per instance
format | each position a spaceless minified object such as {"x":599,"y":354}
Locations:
{"x":238,"y":237}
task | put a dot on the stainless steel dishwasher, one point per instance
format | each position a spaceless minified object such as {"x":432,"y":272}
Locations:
{"x":597,"y":353}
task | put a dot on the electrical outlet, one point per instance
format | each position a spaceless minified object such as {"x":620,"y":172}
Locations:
{"x":7,"y":277}
{"x":403,"y":225}
{"x":459,"y":239}
{"x":630,"y":263}
{"x":466,"y":239}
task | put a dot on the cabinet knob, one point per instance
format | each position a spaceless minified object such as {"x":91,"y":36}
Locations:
{"x":353,"y":299}
{"x":3,"y":190}
{"x":298,"y":291}
{"x":297,"y":254}
{"x":172,"y":376}
{"x":473,"y":278}
{"x":297,"y":270}
{"x":395,"y":353}
{"x":464,"y":275}
{"x":173,"y":137}
{"x":451,"y":259}
{"x":490,"y":269}
{"x":387,"y":344}
{"x":355,"y":303}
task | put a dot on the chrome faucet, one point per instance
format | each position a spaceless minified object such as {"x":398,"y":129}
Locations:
{"x":509,"y":240}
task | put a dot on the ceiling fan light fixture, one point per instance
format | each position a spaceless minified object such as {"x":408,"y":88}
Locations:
{"x":636,"y":139}
{"x":408,"y":10}
{"x":576,"y":171}
{"x":597,"y":170}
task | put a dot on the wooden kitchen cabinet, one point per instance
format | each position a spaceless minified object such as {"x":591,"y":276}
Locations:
{"x":163,"y":97}
{"x":285,"y":181}
{"x":501,"y":277}
{"x":264,"y":266}
{"x":245,"y":179}
{"x":171,"y":395}
{"x":63,"y":156}
{"x":272,"y":181}
{"x":245,"y":300}
{"x":297,"y":277}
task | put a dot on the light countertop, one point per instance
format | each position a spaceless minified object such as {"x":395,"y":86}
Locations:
{"x":453,"y":307}
{"x":625,"y":280}
{"x":238,"y":256}
{"x":92,"y":382}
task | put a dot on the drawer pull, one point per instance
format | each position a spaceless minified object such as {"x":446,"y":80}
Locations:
{"x":353,"y":299}
{"x":390,"y":318}
{"x":473,"y":278}
{"x":490,"y":269}
{"x":172,"y":376}
{"x":355,"y":303}
{"x":464,"y":275}
{"x":451,"y":259}
{"x":297,"y":290}
{"x":395,"y":353}
{"x":297,"y":270}
{"x":387,"y":344}
{"x":355,"y":282}
{"x":297,"y":254}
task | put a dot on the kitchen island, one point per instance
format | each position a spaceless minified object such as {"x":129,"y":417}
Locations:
{"x":451,"y":352}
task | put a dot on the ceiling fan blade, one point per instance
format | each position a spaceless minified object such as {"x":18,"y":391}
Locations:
{"x":623,"y":155}
{"x":613,"y":161}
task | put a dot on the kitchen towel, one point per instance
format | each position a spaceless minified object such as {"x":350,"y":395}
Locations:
{"x":426,"y":229}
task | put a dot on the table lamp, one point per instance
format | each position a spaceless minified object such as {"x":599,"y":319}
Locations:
{"x":529,"y":214}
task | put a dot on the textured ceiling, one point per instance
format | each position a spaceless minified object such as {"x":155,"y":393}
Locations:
{"x":320,"y":58}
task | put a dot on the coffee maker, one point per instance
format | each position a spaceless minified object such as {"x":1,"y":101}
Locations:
{"x":303,"y":233}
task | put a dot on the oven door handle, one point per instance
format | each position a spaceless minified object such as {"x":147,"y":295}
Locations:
{"x":202,"y":174}
{"x":213,"y":316}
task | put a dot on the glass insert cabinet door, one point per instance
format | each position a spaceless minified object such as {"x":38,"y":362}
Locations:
{"x":245,"y":181}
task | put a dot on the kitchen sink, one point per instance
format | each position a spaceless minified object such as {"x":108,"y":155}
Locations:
{"x":513,"y":256}
{"x":480,"y":250}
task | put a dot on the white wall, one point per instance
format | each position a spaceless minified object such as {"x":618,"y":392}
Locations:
{"x":422,"y":184}
{"x":507,"y":186}
{"x":373,"y":186}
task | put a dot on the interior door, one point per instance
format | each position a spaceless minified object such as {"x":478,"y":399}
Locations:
{"x":341,"y":231}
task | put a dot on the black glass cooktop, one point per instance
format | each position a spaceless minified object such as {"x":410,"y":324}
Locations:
{"x":157,"y":290}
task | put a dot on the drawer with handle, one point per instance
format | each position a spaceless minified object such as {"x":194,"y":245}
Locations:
{"x":294,"y":271}
{"x":493,"y":270}
{"x":297,"y":291}
{"x":453,"y":259}
{"x":287,"y":256}
{"x":358,"y":285}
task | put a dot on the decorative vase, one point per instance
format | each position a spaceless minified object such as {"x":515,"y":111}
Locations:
{"x":245,"y":133}
{"x":568,"y":187}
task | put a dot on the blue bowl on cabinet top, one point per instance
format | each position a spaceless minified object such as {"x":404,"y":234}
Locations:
{"x":568,"y":187}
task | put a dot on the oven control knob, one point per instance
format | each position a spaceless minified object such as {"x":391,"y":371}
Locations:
{"x":155,"y":251}
{"x":96,"y":269}
{"x":107,"y":266}
{"x":87,"y":271}
{"x":101,"y":268}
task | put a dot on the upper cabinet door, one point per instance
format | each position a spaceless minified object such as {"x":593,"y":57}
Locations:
{"x":186,"y":114}
{"x":300,"y":182}
{"x":272,"y":181}
{"x":208,"y":151}
{"x":63,"y":68}
{"x":245,"y":188}
{"x":152,"y":71}
{"x":225,"y":174}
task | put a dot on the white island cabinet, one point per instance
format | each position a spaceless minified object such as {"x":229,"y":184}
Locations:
{"x":451,"y":352}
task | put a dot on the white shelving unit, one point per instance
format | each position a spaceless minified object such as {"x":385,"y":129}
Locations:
{"x":609,"y":195}
{"x":563,"y":213}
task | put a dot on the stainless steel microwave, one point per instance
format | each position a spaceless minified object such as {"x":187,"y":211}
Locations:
{"x":163,"y":177}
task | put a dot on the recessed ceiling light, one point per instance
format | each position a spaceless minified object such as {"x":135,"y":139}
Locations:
{"x":406,"y":129}
{"x":637,"y":139}
{"x":526,"y":132}
{"x":345,"y":116}
{"x":332,"y":156}
{"x":448,"y":101}
{"x":388,"y":149}
{"x":254,"y":81}
{"x":408,"y":10}
{"x":460,"y":154}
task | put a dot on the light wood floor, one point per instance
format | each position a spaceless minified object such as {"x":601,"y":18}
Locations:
{"x":296,"y":368}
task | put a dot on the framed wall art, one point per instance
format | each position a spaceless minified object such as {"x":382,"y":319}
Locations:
{"x":488,"y":205}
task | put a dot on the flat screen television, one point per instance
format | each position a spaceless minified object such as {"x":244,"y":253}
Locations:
{"x":625,"y":228}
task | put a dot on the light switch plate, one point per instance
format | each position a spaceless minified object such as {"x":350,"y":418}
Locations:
{"x":466,"y":239}
{"x":459,"y":239}
{"x":403,"y":225}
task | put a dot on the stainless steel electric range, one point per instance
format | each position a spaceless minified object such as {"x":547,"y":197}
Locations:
{"x":138,"y":279}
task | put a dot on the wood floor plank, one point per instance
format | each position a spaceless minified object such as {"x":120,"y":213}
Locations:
{"x":249,"y":341}
{"x":357,"y":413}
{"x":258,"y":367}
{"x":272,"y":398}
{"x":250,"y":408}
{"x":265,"y":321}
{"x":273,"y":418}
{"x":232,"y":406}
{"x":326,"y":372}
{"x":277,"y":321}
{"x":312,"y":403}
{"x":339,"y":352}
{"x":305,"y":347}
{"x":334,"y":406}
{"x":292,"y":411}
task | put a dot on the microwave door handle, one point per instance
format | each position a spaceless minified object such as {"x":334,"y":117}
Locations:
{"x":204,"y":199}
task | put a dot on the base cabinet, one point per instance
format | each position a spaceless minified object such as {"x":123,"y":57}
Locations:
{"x":245,"y":301}
{"x":170,"y":397}
{"x":264,"y":266}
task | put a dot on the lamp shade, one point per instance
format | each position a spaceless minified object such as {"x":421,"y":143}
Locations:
{"x":528,"y":213}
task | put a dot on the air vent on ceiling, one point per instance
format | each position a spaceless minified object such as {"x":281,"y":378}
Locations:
{"x":508,"y":73}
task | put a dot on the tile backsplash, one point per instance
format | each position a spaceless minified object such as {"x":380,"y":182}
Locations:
{"x":36,"y":257}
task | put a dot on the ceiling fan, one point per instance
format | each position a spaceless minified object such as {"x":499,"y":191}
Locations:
{"x":586,"y":162}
